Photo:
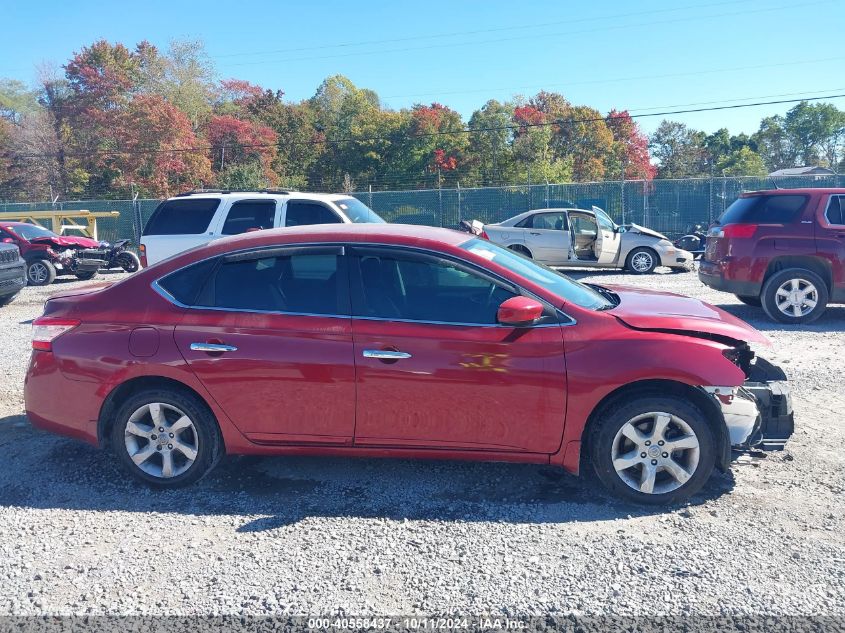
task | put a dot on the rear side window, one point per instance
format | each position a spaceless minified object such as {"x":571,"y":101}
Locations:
{"x":551,"y":221}
{"x":249,"y":215}
{"x":300,"y":283}
{"x":835,"y":213}
{"x":303,"y":212}
{"x":190,"y":216}
{"x":184,"y":285}
{"x":764,"y":210}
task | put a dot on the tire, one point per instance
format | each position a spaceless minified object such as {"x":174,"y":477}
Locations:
{"x":40,"y":272}
{"x":7,"y":299}
{"x":86,"y":275}
{"x":519,"y":248}
{"x":749,"y":300}
{"x":129,"y":261}
{"x":608,"y":441}
{"x":804,"y":307}
{"x":203,"y":445}
{"x":642,"y":261}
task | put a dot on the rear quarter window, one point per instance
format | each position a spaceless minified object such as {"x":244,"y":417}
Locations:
{"x":185,"y":284}
{"x":182,"y":217}
{"x":778,"y":209}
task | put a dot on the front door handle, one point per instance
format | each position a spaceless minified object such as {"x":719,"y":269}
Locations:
{"x":213,"y":348}
{"x":385,"y":354}
{"x":533,"y":233}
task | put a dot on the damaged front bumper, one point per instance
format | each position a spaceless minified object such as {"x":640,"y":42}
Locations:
{"x":758,"y":414}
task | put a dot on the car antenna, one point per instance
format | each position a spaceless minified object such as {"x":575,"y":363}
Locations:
{"x":774,"y":184}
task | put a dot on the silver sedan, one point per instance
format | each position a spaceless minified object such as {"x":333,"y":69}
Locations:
{"x":581,"y":238}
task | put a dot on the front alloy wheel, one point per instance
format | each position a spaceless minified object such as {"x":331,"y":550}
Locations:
{"x":642,"y":261}
{"x":654,"y":449}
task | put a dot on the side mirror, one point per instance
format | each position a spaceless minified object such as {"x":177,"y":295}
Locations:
{"x":519,"y":311}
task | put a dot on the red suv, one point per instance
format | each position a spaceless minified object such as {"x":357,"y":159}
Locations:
{"x":783,"y":249}
{"x":403,"y":341}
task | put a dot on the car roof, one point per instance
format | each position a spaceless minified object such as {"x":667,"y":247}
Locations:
{"x":800,"y":190}
{"x":260,"y":195}
{"x":16,"y":223}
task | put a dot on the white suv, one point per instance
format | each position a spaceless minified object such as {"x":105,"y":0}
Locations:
{"x":198,"y":217}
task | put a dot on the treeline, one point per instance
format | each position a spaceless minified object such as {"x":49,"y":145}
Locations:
{"x":115,"y":120}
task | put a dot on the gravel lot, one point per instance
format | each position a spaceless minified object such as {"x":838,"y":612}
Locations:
{"x":370,"y":537}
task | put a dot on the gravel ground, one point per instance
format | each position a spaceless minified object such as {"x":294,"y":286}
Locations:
{"x":369,"y":537}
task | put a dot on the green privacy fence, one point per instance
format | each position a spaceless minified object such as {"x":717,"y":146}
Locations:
{"x":669,"y":206}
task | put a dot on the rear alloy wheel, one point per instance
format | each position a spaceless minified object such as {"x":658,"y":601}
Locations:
{"x":641,"y":261}
{"x":794,"y":295}
{"x":654,"y":450}
{"x":166,"y":438}
{"x":40,"y":272}
{"x":750,"y":300}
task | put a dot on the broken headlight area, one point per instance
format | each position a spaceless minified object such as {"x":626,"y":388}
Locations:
{"x":758,"y":414}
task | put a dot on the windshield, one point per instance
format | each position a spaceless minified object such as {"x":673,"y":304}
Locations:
{"x":564,"y":287}
{"x":30,"y":231}
{"x":358,"y":212}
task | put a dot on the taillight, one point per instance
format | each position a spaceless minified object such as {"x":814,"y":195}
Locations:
{"x":484,"y":236}
{"x":46,"y":329}
{"x":739,"y":230}
{"x":142,"y":251}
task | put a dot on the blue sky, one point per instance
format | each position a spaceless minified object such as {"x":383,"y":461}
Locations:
{"x":644,"y":55}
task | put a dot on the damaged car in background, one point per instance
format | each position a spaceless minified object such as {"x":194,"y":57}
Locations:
{"x":583,"y":239}
{"x":419,"y":342}
{"x":48,"y":255}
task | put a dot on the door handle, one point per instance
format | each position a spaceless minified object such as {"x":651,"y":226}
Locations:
{"x":213,"y":348}
{"x":533,"y":233}
{"x":385,"y":354}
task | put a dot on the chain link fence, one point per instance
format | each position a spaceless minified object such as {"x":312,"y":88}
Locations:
{"x":668,"y":206}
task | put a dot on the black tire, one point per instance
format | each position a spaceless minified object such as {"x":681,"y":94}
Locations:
{"x":519,"y":248}
{"x":603,"y":439}
{"x":749,"y":300}
{"x":129,"y":261}
{"x":804,"y":279}
{"x":7,"y":299}
{"x":204,"y":436}
{"x":40,"y":272}
{"x":85,"y":276}
{"x":642,"y":252}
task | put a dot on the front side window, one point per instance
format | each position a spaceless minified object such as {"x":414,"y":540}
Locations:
{"x":306,"y":212}
{"x":419,"y":288}
{"x":249,"y":215}
{"x":604,"y":221}
{"x":551,"y":221}
{"x":835,"y":212}
{"x":299,"y":283}
{"x":182,"y":216}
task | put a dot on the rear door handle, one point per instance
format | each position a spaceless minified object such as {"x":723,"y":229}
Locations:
{"x":533,"y":233}
{"x":385,"y":354}
{"x":213,"y":348}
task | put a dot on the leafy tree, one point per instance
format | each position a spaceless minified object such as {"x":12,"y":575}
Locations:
{"x":773,"y":143}
{"x":16,"y":100}
{"x":679,"y":150}
{"x":810,"y":128}
{"x":236,"y":142}
{"x":489,"y":151}
{"x":742,"y":162}
{"x":184,"y":76}
{"x":630,"y":146}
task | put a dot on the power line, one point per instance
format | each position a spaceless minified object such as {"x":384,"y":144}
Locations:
{"x":478,"y":31}
{"x":509,"y":127}
{"x":534,"y":36}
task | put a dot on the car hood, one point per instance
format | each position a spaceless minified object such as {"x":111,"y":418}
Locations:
{"x":636,"y":228}
{"x":666,"y":312}
{"x":67,"y":241}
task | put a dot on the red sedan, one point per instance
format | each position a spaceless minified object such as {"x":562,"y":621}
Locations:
{"x":400,"y":341}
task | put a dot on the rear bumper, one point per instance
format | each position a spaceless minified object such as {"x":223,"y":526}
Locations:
{"x":758,"y":415}
{"x":710,"y":275}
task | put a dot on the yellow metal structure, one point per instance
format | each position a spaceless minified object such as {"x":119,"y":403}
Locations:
{"x":82,"y":220}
